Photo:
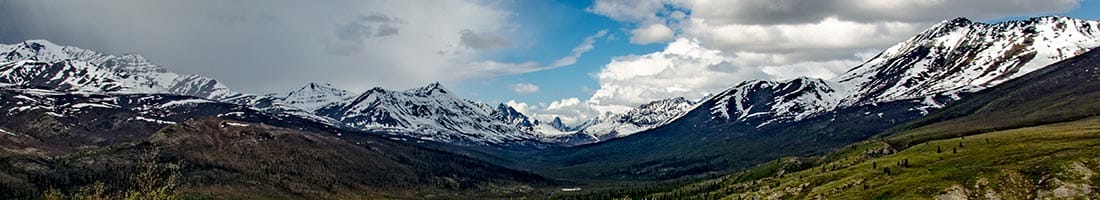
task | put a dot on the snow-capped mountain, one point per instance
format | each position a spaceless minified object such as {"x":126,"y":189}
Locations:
{"x":314,"y":96}
{"x":964,"y":56}
{"x":643,"y":117}
{"x":429,"y":113}
{"x":954,"y":57}
{"x":555,"y":129}
{"x":432,"y":113}
{"x":43,"y":64}
{"x":933,"y":68}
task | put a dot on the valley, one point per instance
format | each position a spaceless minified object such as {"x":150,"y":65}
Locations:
{"x":1002,"y":110}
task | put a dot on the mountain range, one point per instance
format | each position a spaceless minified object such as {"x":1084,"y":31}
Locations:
{"x":758,"y":121}
{"x":429,"y":113}
{"x":63,"y":104}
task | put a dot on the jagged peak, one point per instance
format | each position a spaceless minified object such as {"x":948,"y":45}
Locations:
{"x":958,"y":21}
{"x":37,"y":49}
{"x":314,"y":88}
{"x":430,"y":89}
{"x":674,"y":100}
{"x":319,"y":86}
{"x":375,"y":90}
{"x":39,"y":43}
{"x":506,"y":108}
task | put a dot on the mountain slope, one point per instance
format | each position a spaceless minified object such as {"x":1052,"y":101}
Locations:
{"x":964,"y":56}
{"x":433,"y":113}
{"x":428,"y":113}
{"x":40,"y":63}
{"x":643,"y":117}
{"x":1054,"y":161}
{"x":52,"y":139}
{"x":759,"y":121}
{"x":952,"y":58}
{"x":313,"y":96}
{"x":1033,"y":137}
{"x":1061,"y":92}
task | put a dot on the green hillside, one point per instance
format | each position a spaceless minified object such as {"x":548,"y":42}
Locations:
{"x":1036,"y":136}
{"x":1050,"y":161}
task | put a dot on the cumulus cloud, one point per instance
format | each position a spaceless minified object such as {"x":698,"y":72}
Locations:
{"x":571,"y":111}
{"x":521,"y":107}
{"x":651,"y":34}
{"x":721,"y":43}
{"x":524,"y":88}
{"x":683,"y":69}
{"x":647,"y":11}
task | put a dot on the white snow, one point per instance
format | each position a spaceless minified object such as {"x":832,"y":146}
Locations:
{"x":88,"y":71}
{"x":314,"y":96}
{"x":1000,"y":54}
{"x":7,"y":132}
{"x":236,"y":124}
{"x":641,"y":118}
{"x":153,"y":120}
{"x":84,"y":105}
{"x":238,"y":114}
{"x":430,"y":113}
{"x":184,"y":102}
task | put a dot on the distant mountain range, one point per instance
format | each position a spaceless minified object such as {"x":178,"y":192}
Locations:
{"x":758,"y":121}
{"x":58,"y":100}
{"x":428,"y":113}
{"x":954,"y":57}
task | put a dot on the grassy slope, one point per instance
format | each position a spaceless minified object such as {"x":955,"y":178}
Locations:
{"x":1012,"y":164}
{"x":1064,"y":91}
{"x":1042,"y":131}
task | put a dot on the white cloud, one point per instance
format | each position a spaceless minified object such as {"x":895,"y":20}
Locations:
{"x":683,"y":69}
{"x":358,"y":44}
{"x":647,"y":11}
{"x":521,"y":107}
{"x":571,"y":110}
{"x":721,"y":43}
{"x":524,"y":88}
{"x":829,"y":39}
{"x":567,"y":102}
{"x":587,"y":45}
{"x":653,"y":33}
{"x":800,"y":12}
{"x":487,"y":68}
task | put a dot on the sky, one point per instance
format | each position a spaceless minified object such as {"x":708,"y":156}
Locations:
{"x":547,"y":58}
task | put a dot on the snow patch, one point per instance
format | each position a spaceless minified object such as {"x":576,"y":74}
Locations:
{"x":184,"y":102}
{"x":153,"y":120}
{"x":227,"y":123}
{"x":7,"y":132}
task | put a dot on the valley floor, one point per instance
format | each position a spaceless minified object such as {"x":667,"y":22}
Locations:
{"x":1054,"y":161}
